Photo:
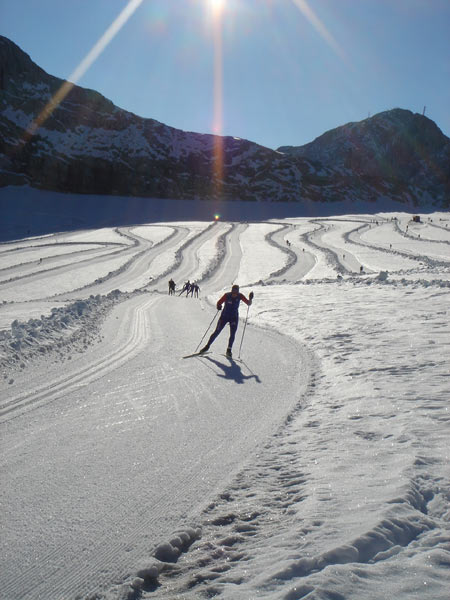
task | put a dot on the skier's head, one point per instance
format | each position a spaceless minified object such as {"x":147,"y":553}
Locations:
{"x":235,"y":289}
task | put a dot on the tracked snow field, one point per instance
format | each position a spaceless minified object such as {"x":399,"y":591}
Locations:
{"x":314,"y":464}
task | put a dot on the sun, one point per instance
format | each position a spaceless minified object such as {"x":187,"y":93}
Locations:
{"x":216,"y":6}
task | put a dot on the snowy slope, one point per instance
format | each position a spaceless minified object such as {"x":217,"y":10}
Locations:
{"x":316,"y":466}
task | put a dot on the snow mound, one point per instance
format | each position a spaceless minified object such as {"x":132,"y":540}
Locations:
{"x":148,"y":570}
{"x":170,"y":551}
{"x":68,"y":328}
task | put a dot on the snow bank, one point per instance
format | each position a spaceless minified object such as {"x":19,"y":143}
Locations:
{"x":67,"y":329}
{"x":147,"y":572}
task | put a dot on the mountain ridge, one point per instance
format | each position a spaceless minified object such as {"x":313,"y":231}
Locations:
{"x":88,"y":145}
{"x":405,"y":156}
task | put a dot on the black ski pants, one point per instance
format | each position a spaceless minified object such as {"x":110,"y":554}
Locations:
{"x":233,"y":321}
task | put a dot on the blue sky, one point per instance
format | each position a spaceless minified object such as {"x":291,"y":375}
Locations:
{"x":277,"y":72}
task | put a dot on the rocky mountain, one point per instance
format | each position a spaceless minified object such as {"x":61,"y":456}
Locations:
{"x":82,"y":143}
{"x":397,"y":152}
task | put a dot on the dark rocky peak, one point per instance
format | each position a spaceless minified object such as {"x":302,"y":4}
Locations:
{"x":405,"y":150}
{"x":391,"y":133}
{"x":29,"y":87}
{"x":15,"y":65}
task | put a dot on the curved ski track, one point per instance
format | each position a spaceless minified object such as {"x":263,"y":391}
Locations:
{"x":131,"y":340}
{"x":137,"y":337}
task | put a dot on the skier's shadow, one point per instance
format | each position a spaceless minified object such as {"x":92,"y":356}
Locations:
{"x":232,"y":370}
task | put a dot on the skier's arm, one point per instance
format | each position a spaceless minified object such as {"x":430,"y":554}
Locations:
{"x":221,"y":301}
{"x":244,"y":299}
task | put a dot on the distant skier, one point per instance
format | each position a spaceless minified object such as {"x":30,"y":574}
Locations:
{"x":186,"y":288}
{"x":171,"y":287}
{"x":230,"y":314}
{"x":196,"y":289}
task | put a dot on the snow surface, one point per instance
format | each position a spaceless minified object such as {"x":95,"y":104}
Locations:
{"x":315,"y":465}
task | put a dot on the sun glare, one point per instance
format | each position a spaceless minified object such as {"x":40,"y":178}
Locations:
{"x":87,"y":61}
{"x":318,"y":25}
{"x":217,"y":5}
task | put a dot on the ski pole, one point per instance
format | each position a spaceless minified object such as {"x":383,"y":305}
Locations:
{"x":200,"y":342}
{"x":251,"y":296}
{"x":243,"y":332}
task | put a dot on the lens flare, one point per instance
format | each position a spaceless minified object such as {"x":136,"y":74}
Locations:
{"x":217,"y":125}
{"x":87,"y":61}
{"x":217,"y":6}
{"x":309,"y":14}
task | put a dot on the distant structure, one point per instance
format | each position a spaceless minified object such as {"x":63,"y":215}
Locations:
{"x":424,"y":108}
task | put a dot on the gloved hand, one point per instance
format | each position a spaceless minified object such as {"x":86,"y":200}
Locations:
{"x":218,"y":306}
{"x":251,"y":296}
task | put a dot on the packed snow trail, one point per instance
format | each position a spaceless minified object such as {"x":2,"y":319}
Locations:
{"x":117,"y":465}
{"x":122,"y":445}
{"x":229,"y":265}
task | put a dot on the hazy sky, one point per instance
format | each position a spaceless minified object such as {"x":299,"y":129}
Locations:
{"x":277,"y":72}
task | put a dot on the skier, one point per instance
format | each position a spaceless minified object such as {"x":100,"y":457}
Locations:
{"x":171,"y":287}
{"x":230,"y":314}
{"x":186,"y":288}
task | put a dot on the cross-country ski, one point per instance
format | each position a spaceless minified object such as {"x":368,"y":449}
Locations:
{"x":196,"y":354}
